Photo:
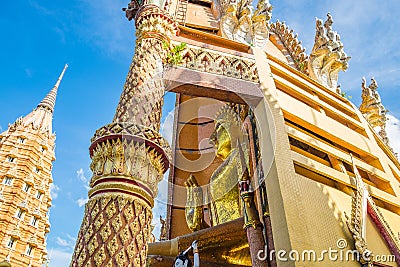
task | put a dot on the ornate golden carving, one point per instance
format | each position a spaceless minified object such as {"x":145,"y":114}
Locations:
{"x":129,"y":159}
{"x":237,"y":21}
{"x":290,"y":41}
{"x":206,"y":60}
{"x":327,"y":57}
{"x":142,"y":98}
{"x":122,"y":238}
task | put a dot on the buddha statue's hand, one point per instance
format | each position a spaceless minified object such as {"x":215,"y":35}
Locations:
{"x":194,"y":204}
{"x":194,"y":245}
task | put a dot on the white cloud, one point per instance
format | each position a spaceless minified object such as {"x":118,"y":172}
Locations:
{"x":82,"y":201}
{"x":115,"y":36}
{"x":81,"y":175}
{"x":168,"y":126}
{"x":68,"y":243}
{"x":61,"y":242}
{"x":59,"y":258}
{"x":54,"y":191}
{"x":393,"y":131}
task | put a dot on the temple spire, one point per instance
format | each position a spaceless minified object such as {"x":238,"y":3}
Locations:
{"x":50,"y":100}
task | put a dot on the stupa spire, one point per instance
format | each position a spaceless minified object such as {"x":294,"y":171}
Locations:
{"x":50,"y":100}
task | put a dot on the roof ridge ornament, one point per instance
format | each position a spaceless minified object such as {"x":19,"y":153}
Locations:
{"x":238,"y":22}
{"x":292,"y":44}
{"x":373,"y":109}
{"x":327,"y":57}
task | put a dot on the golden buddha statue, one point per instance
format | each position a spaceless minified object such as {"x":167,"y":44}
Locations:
{"x":222,"y":191}
{"x":225,"y":243}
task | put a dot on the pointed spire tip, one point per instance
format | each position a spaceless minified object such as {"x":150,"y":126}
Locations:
{"x":50,"y":100}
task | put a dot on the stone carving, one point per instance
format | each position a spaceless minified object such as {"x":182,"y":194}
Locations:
{"x":239,"y":23}
{"x":373,"y":109}
{"x":290,"y":41}
{"x":201,"y":59}
{"x":327,"y":57}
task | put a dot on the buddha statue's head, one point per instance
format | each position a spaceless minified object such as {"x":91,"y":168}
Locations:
{"x":226,"y":131}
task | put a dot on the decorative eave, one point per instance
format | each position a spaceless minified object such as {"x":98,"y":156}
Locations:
{"x":292,"y":48}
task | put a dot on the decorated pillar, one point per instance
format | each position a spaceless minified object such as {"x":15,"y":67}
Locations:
{"x":252,"y":225}
{"x":129,"y":156}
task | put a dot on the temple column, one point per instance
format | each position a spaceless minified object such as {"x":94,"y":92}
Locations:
{"x":129,"y":156}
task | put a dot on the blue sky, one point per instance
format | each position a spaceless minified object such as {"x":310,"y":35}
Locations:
{"x":97,"y":42}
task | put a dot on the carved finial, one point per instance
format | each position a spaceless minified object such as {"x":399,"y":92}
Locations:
{"x":363,"y":83}
{"x":339,"y":89}
{"x":163,"y":231}
{"x":50,"y":100}
{"x":327,"y":57}
{"x":239,"y":23}
{"x":329,"y":21}
{"x":374,"y":84}
{"x":373,"y":109}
